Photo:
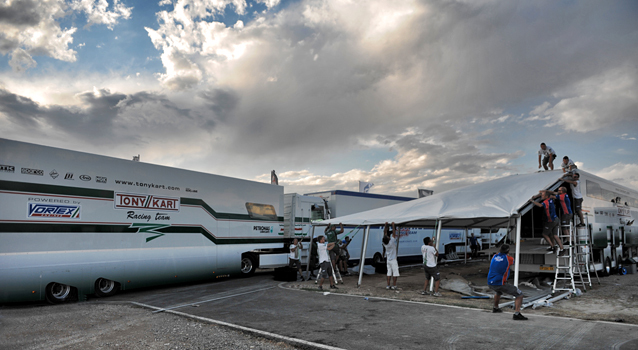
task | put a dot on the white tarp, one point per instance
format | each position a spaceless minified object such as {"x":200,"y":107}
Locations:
{"x":487,"y":204}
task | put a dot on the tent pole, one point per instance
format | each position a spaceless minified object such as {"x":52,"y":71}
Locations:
{"x":362,"y":257}
{"x":517,"y":258}
{"x":312,"y":236}
{"x":466,"y":229}
{"x":436,"y":244}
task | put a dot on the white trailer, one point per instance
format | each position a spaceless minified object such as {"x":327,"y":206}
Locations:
{"x":610,"y":210}
{"x":73,"y":224}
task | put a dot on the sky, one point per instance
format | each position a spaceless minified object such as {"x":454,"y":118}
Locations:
{"x":403,"y":94}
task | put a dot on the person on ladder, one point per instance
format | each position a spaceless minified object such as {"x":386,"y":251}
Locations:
{"x":565,"y":205}
{"x":551,"y":221}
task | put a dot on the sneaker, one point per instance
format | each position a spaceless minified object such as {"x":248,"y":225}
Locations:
{"x":496,"y":310}
{"x":393,"y":287}
{"x":320,"y":288}
{"x":563,"y":252}
{"x":424,"y":292}
{"x":437,"y":294}
{"x":519,"y":317}
{"x":550,"y":249}
{"x":580,"y":225}
{"x":387,"y":287}
{"x":333,"y":287}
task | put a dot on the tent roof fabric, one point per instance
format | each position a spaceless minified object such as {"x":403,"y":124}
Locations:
{"x":487,"y":204}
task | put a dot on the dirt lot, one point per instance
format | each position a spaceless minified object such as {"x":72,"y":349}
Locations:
{"x":615,"y":299}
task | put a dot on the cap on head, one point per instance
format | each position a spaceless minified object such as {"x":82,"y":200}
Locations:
{"x":505,"y":249}
{"x":566,"y":158}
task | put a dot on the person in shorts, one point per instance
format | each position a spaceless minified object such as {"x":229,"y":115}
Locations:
{"x":331,"y":237}
{"x":430,"y":256}
{"x":324,"y":261}
{"x":548,"y":155}
{"x":551,"y":221}
{"x":390,"y":246}
{"x":295,"y":253}
{"x":497,"y":281}
{"x":578,"y":197}
{"x":565,"y":205}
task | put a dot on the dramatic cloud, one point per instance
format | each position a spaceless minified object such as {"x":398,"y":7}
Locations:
{"x":32,"y":28}
{"x":625,"y":174}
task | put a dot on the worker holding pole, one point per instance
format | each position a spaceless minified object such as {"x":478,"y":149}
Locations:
{"x":497,"y":281}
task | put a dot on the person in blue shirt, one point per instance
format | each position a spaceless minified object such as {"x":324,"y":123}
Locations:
{"x":497,"y":281}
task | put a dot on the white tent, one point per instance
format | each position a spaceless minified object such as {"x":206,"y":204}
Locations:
{"x":489,"y":204}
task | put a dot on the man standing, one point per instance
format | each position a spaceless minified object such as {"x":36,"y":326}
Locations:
{"x":551,"y":221}
{"x":568,"y":165}
{"x":390,"y":247}
{"x":474,"y":245}
{"x":548,"y":156}
{"x":578,"y":197}
{"x":295,"y":253}
{"x":497,"y":281}
{"x":331,"y":237}
{"x":430,"y":255}
{"x":324,"y":261}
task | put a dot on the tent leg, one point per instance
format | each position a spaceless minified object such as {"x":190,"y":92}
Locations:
{"x":312,"y":236}
{"x":436,"y":245}
{"x":466,"y":230}
{"x":517,"y":258}
{"x":362,"y":258}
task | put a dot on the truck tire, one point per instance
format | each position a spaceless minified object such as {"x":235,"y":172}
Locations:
{"x":607,"y":267}
{"x":248,"y":264}
{"x":57,"y":293}
{"x":377,"y":260}
{"x":105,"y":287}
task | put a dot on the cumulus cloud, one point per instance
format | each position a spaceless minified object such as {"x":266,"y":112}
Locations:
{"x":622,"y":173}
{"x":32,"y":28}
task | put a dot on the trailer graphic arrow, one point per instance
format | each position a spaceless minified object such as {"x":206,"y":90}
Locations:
{"x":149,"y":228}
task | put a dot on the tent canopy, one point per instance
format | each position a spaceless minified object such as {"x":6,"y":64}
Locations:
{"x":487,"y":204}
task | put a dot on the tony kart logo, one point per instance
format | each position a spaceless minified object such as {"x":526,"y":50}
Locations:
{"x":40,"y":210}
{"x":146,"y":202}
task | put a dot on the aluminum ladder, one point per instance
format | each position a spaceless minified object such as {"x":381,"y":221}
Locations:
{"x":565,"y":265}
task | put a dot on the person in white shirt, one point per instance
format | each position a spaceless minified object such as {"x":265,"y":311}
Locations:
{"x":390,"y":247}
{"x":568,"y":165}
{"x":295,"y":253}
{"x":548,"y":156}
{"x":578,"y":197}
{"x":430,"y":255}
{"x":324,"y":261}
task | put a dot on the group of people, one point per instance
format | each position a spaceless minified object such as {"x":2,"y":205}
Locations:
{"x":548,"y":155}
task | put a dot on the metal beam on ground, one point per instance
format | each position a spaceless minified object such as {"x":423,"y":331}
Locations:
{"x":362,"y":259}
{"x":436,"y":244}
{"x":517,"y":258}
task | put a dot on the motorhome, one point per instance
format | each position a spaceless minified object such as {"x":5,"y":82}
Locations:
{"x":74,"y":224}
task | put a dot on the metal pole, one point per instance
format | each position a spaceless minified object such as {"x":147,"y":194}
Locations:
{"x":436,"y":244}
{"x":466,"y":229}
{"x":517,"y":258}
{"x":362,"y":258}
{"x":312,"y":236}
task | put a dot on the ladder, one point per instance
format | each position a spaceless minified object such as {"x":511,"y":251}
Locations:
{"x":585,"y":258}
{"x":568,"y":270}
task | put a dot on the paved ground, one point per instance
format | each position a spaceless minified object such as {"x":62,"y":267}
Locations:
{"x":352,"y":322}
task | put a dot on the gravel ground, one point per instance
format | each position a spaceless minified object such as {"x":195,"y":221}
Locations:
{"x":92,"y":325}
{"x":615,"y":299}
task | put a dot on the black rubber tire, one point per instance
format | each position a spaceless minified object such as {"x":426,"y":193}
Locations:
{"x":248,"y":264}
{"x":377,"y":260}
{"x":106,"y":288}
{"x":58,"y":293}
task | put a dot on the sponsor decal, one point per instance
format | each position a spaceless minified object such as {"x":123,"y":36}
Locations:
{"x":7,"y":168}
{"x":100,"y":179}
{"x":455,"y":236}
{"x":54,"y":174}
{"x":191,"y":190}
{"x":85,"y":178}
{"x":29,"y":171}
{"x":132,"y":215}
{"x":51,"y":200}
{"x":624,"y":211}
{"x":149,"y":228}
{"x":68,"y":176}
{"x":263,"y":229}
{"x":62,"y":211}
{"x":146,"y":202}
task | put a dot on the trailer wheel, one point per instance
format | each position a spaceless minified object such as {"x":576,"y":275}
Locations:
{"x":105,"y":288}
{"x":248,"y":264}
{"x":377,"y":260}
{"x":57,"y":293}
